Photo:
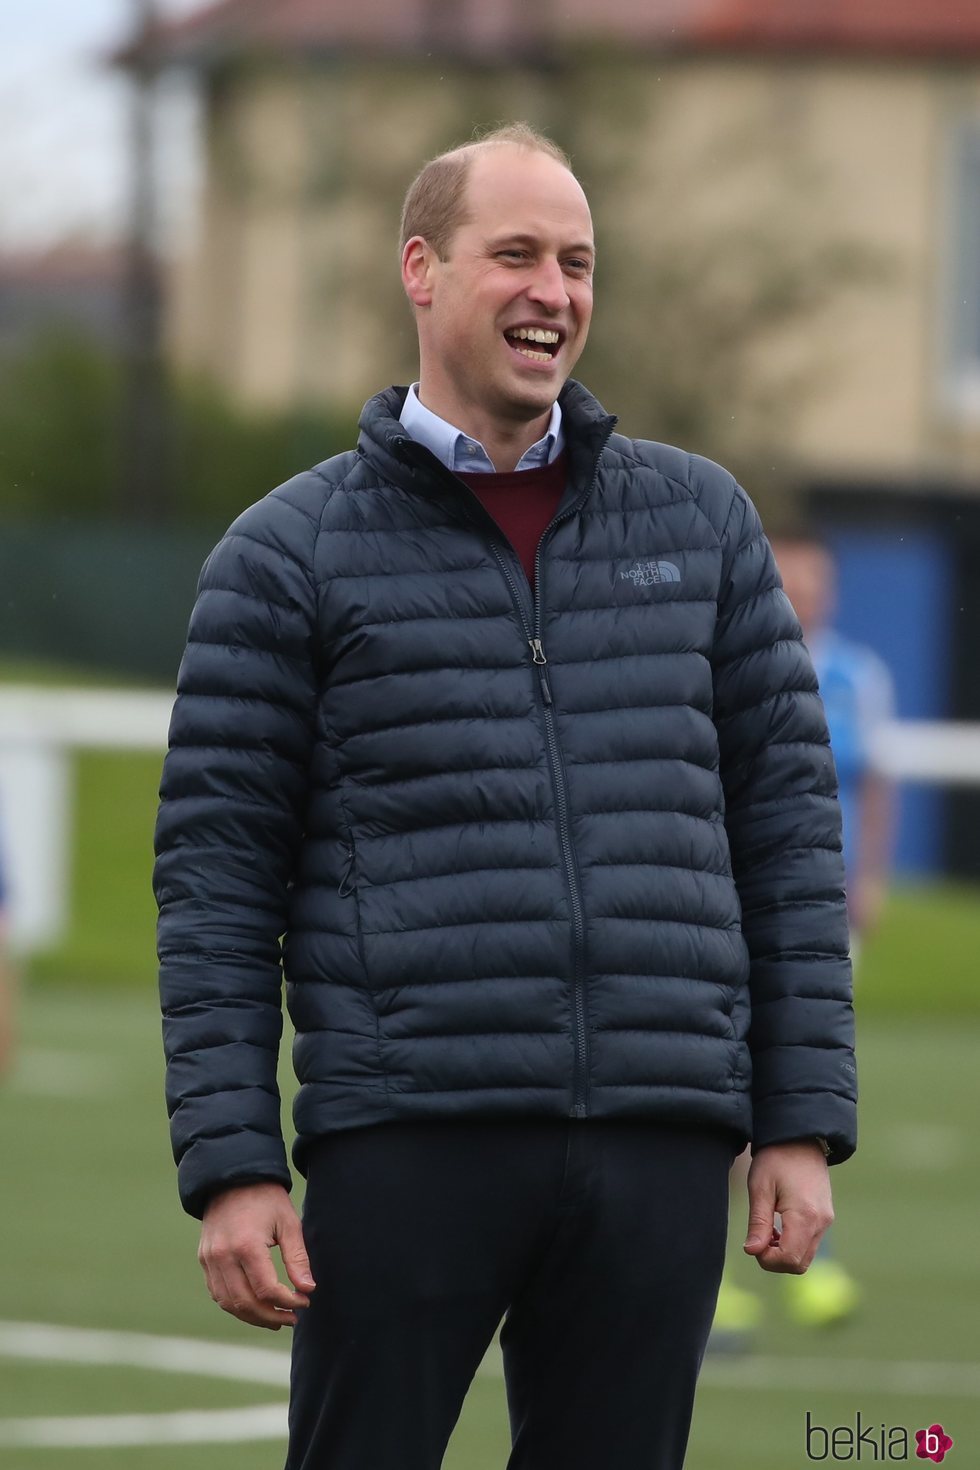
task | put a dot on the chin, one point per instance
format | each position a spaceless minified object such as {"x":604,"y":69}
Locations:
{"x":535,"y":400}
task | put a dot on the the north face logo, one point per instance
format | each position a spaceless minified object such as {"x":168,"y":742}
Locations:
{"x":649,"y":573}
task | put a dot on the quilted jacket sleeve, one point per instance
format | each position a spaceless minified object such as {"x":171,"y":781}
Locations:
{"x":784,"y":828}
{"x":233,"y":796}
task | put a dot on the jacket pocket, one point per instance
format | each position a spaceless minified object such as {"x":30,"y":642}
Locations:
{"x":348,"y":888}
{"x":348,"y":883}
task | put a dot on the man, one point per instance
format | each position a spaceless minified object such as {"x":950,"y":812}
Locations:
{"x":858,"y":696}
{"x":545,"y":811}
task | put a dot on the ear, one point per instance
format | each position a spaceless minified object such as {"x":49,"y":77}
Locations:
{"x":418,"y":261}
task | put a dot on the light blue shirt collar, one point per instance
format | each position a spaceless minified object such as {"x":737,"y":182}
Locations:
{"x":459,"y":452}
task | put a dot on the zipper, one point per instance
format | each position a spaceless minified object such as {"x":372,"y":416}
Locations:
{"x":539,"y":660}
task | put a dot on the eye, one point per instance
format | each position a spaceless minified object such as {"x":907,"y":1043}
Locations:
{"x":580,"y":267}
{"x":513,"y":254}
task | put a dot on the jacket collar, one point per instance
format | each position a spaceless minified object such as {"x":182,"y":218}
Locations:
{"x":383,"y":441}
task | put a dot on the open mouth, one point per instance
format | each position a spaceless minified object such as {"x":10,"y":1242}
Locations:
{"x":538,"y":344}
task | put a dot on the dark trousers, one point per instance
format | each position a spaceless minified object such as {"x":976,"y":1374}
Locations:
{"x":602,"y":1242}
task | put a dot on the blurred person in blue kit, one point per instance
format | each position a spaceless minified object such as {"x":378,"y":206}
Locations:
{"x":859,"y":697}
{"x":502,"y":724}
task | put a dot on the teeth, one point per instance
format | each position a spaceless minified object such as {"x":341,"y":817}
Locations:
{"x":535,"y":334}
{"x":535,"y":356}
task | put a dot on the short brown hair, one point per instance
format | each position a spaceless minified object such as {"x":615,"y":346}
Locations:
{"x":435,"y":203}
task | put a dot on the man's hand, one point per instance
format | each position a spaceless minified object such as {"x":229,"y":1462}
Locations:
{"x":241,"y":1225}
{"x":790,"y":1179}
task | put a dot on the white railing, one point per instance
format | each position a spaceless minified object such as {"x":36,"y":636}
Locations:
{"x":944,"y":752}
{"x":41,"y":728}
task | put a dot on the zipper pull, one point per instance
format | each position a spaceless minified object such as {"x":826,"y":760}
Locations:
{"x":347,"y":867}
{"x":537,"y":649}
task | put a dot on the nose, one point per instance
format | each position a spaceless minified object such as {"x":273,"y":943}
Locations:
{"x":548,"y":285}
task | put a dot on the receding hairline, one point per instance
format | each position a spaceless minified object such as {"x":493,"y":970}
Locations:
{"x":453,"y":168}
{"x":468,"y":151}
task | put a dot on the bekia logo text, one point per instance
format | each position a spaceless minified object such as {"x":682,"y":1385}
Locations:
{"x":873,"y":1442}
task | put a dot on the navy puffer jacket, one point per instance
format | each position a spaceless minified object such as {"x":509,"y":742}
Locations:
{"x":575,"y":854}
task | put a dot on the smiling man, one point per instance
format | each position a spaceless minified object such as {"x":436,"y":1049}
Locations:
{"x":497,"y":736}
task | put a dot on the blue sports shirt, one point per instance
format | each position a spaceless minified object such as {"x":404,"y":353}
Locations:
{"x":859,"y":696}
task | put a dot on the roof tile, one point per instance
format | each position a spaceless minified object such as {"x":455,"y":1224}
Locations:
{"x":495,"y":27}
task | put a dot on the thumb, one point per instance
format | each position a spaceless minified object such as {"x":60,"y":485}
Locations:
{"x":762,"y":1222}
{"x":293,"y":1252}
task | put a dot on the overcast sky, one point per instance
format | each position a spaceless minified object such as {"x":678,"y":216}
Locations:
{"x":63,"y":123}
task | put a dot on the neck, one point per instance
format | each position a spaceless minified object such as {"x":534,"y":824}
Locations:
{"x":505,"y":442}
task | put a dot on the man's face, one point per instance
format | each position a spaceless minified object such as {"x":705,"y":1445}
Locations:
{"x":521,"y":265}
{"x":808,"y":581}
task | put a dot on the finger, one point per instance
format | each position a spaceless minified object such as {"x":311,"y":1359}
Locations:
{"x":265,"y":1286}
{"x":804,"y":1230}
{"x":776,"y":1259}
{"x":212,"y":1264}
{"x":238,"y":1298}
{"x":796,"y":1246}
{"x":292,"y":1248}
{"x":211,"y":1277}
{"x":212,"y":1261}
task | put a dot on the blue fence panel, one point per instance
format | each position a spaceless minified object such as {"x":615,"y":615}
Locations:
{"x":895,"y":594}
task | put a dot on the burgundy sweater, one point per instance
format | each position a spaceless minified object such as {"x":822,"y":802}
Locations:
{"x":522,"y":503}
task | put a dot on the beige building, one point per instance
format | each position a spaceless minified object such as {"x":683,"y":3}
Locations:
{"x":786,"y":193}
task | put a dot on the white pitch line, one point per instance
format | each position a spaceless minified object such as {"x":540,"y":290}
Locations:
{"x":247,"y":1364}
{"x":46,"y":1072}
{"x":190,"y":1355}
{"x":40,"y":1342}
{"x":188,"y":1426}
